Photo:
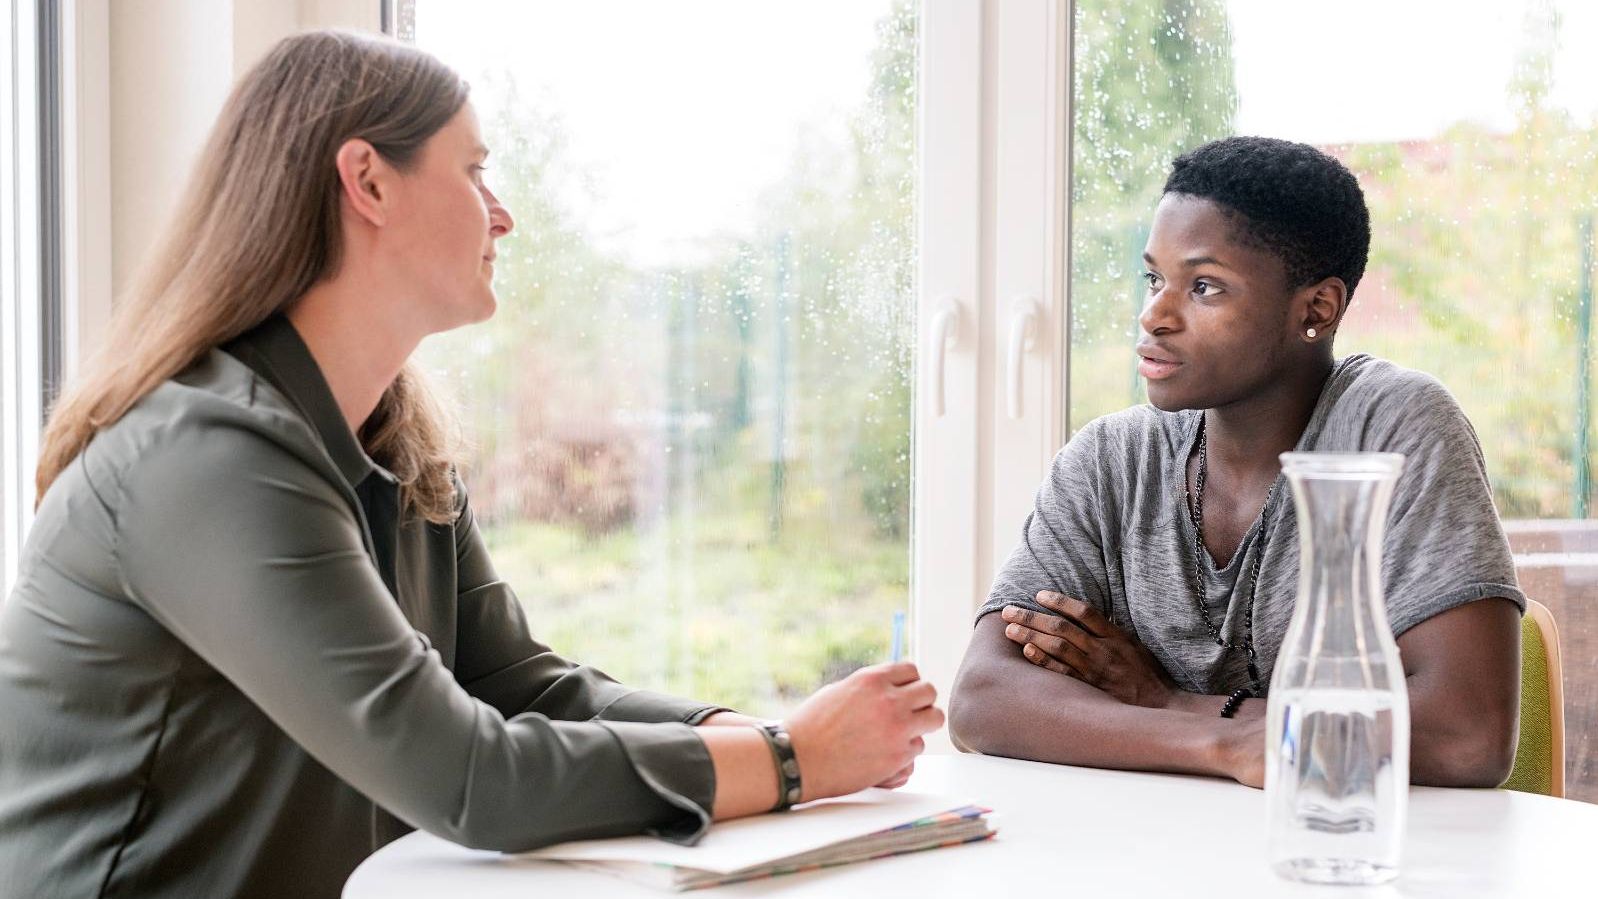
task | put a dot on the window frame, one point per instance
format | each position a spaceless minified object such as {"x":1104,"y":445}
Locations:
{"x":30,"y":255}
{"x":1007,"y":400}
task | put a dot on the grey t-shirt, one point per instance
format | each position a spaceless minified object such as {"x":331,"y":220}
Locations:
{"x":1111,"y":526}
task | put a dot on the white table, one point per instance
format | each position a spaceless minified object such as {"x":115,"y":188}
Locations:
{"x":1082,"y":832}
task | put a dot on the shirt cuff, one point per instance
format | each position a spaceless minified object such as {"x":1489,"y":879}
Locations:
{"x":648,"y":706}
{"x":672,"y":761}
{"x":1407,"y":615}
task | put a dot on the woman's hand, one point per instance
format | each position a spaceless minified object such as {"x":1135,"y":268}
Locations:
{"x":1083,"y":644}
{"x":737,"y":719}
{"x":863,"y":731}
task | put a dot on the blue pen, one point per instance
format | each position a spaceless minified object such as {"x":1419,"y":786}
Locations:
{"x":898,"y":636}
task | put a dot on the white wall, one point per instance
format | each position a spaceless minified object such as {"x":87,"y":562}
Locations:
{"x":86,"y":168}
{"x":257,"y":25}
{"x":147,"y":79}
{"x":360,"y":15}
{"x":171,"y":66}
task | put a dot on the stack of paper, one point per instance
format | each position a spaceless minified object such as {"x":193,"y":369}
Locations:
{"x":865,"y":825}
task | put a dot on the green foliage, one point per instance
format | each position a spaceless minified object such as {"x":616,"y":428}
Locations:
{"x":698,"y":476}
{"x":1152,"y":81}
{"x":1475,"y":277}
{"x":1475,"y":273}
{"x":751,"y":623}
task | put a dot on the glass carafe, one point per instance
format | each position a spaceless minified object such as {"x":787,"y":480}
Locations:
{"x":1337,"y":720}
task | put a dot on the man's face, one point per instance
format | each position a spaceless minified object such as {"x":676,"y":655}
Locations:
{"x":1215,"y":320}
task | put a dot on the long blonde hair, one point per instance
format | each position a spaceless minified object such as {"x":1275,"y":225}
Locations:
{"x":258,"y":226}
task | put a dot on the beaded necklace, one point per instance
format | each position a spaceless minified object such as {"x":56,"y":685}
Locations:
{"x":1195,"y":509}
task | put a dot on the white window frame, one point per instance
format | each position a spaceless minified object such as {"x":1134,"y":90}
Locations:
{"x":946,"y":505}
{"x":21,"y":383}
{"x":994,"y":243}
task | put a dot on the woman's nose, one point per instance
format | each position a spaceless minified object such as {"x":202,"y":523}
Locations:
{"x":500,"y":222}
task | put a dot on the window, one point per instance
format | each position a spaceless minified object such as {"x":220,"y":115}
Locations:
{"x":1475,"y":137}
{"x":696,"y":415}
{"x":690,"y":418}
{"x":26,"y":264}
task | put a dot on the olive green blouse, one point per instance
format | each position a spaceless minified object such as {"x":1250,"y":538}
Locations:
{"x":229,"y":659}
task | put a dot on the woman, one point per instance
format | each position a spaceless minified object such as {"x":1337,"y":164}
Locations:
{"x":255,"y":617}
{"x":1137,"y":623}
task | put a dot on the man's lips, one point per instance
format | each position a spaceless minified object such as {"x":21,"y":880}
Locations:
{"x":1155,"y":364}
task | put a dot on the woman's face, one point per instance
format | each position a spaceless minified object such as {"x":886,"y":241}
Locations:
{"x":448,"y":221}
{"x":1215,"y":318}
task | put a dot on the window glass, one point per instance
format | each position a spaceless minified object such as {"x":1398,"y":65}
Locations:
{"x":1475,"y":137}
{"x":690,"y":418}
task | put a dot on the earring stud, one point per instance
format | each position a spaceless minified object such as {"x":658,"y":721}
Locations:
{"x":1310,"y":333}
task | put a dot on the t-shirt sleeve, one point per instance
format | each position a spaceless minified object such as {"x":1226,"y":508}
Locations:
{"x":1444,"y":545}
{"x":1061,"y":546}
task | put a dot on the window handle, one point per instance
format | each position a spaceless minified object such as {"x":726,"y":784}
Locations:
{"x":945,"y":333}
{"x":1023,"y":321}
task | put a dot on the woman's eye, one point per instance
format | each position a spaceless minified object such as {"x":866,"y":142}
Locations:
{"x":1152,"y":280}
{"x":1205,"y":288}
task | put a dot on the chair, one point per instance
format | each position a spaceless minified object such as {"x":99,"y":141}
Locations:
{"x":1540,"y":755}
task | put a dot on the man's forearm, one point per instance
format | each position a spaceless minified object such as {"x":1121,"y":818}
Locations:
{"x":1210,"y":706}
{"x":1463,"y":673}
{"x":1451,"y":749}
{"x":1005,"y":705}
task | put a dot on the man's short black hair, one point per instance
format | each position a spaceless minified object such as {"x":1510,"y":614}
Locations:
{"x":1289,"y":199}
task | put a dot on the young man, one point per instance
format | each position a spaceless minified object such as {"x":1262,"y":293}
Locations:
{"x":1163,"y":544}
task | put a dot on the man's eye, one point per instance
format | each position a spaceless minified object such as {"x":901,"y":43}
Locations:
{"x":1205,"y":288}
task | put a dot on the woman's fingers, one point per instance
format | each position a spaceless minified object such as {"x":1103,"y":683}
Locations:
{"x":925,"y":721}
{"x":899,"y":778}
{"x":866,"y":730}
{"x":919,"y":695}
{"x":898,"y":673}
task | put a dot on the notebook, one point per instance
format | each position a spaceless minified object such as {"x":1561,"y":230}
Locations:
{"x":870,"y":824}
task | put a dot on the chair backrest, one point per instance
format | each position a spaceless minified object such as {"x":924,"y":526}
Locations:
{"x":1540,"y":755}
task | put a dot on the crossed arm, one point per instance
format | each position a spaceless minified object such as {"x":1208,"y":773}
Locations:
{"x":1074,"y":689}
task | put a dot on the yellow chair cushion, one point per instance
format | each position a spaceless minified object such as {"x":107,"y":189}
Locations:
{"x":1533,"y":771}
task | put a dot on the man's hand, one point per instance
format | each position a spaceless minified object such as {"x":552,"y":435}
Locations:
{"x":1242,"y":752}
{"x":1081,"y":643}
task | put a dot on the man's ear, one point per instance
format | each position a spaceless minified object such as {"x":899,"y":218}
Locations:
{"x":1323,"y":304}
{"x":364,"y":180}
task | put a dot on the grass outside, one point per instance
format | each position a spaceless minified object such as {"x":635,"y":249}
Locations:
{"x":709,"y":605}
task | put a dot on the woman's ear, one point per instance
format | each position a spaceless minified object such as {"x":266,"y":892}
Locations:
{"x":1323,"y":304}
{"x":363,"y":177}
